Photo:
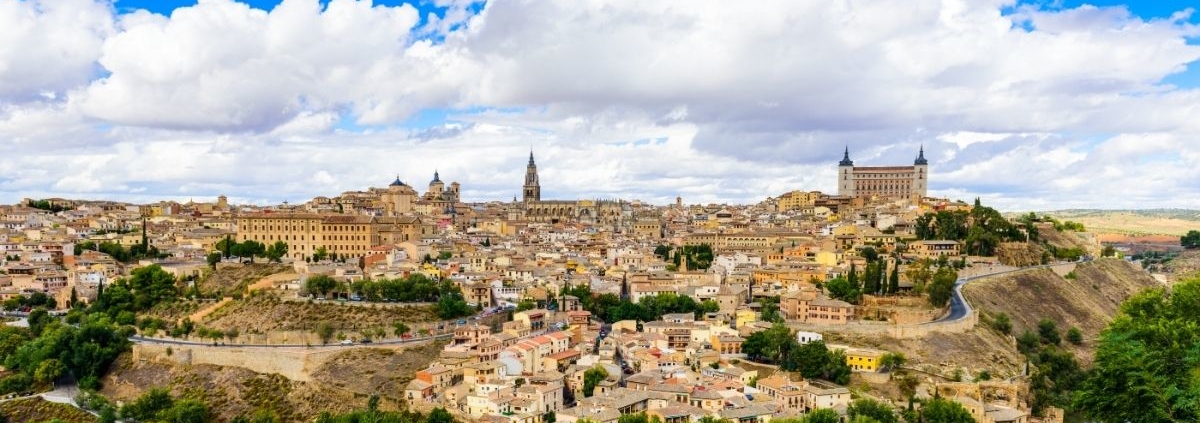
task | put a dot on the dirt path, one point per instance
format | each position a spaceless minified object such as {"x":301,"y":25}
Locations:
{"x":199,"y":315}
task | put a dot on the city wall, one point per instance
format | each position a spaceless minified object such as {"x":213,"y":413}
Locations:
{"x":296,"y":364}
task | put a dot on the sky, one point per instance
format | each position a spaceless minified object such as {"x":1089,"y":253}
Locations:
{"x":1028,"y":105}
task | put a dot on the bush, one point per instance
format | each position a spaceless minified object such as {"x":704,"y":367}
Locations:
{"x":1028,"y":342}
{"x":1075,"y":336}
{"x":1002,"y":323}
{"x":1048,"y":332}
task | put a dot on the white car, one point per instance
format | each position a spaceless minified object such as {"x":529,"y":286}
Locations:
{"x":347,"y":342}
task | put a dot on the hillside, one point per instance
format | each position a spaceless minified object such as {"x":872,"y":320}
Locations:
{"x":1171,"y":222}
{"x":230,"y":279}
{"x":37,"y":409}
{"x":264,"y":313}
{"x":1088,"y":302}
{"x":1184,"y":266}
{"x":341,"y":385}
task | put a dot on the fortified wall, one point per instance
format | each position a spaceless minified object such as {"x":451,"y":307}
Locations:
{"x":296,"y":364}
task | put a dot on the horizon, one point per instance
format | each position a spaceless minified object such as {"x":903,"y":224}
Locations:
{"x":1029,"y":105}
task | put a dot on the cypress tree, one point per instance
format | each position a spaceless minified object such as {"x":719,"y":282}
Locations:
{"x":894,"y":283}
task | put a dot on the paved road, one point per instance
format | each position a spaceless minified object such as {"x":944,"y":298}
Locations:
{"x":171,"y":341}
{"x":960,"y":308}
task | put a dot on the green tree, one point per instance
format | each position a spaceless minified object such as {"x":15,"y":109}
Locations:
{"x":1028,"y":342}
{"x":147,"y":406}
{"x":49,"y":370}
{"x":400,"y":328}
{"x":526,"y":304}
{"x":875,"y":410}
{"x":325,"y":332}
{"x":821,"y":415}
{"x":1190,"y":240}
{"x":1002,"y":323}
{"x":591,"y":377}
{"x":320,"y":284}
{"x":1074,"y":336}
{"x":939,"y":410}
{"x":1146,"y":360}
{"x":942,"y":287}
{"x":276,"y":251}
{"x":1048,"y":332}
{"x":843,"y":289}
{"x":212,"y":259}
{"x":186,"y":411}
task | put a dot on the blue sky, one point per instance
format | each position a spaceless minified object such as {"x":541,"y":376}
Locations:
{"x":618,"y":98}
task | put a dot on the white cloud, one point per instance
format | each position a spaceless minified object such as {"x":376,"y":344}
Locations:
{"x":49,"y":46}
{"x":619,"y":98}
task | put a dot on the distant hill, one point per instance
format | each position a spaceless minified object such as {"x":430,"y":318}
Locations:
{"x":1163,"y":222}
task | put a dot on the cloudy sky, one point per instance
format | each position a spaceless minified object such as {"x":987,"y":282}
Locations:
{"x":1027,"y":104}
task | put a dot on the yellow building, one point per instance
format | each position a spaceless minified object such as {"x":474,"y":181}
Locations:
{"x":744,"y":317}
{"x":305,"y":233}
{"x":796,"y":200}
{"x":862,"y":359}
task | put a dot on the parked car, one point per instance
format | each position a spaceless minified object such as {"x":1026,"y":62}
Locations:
{"x":462,"y":322}
{"x":365,"y":341}
{"x":347,"y":342}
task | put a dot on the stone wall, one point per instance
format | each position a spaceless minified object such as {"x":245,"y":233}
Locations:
{"x":293,"y":363}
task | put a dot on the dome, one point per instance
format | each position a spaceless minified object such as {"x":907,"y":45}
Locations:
{"x":397,"y":182}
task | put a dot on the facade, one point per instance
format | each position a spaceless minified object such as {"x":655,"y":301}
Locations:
{"x":597,"y":212}
{"x":305,"y":233}
{"x":894,"y":182}
{"x":934,"y":249}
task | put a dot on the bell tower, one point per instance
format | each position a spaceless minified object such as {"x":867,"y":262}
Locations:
{"x":533,"y":190}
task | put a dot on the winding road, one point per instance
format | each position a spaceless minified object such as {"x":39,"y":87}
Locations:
{"x":960,"y":308}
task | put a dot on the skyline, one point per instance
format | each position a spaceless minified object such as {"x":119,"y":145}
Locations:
{"x":1028,"y":105}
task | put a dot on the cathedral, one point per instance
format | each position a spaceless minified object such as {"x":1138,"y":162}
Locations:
{"x":894,"y":182}
{"x":615,"y":213}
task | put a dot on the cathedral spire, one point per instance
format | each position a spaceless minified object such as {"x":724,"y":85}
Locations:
{"x":921,"y":157}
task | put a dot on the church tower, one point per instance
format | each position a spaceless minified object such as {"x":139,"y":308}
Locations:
{"x":533,"y":190}
{"x":846,"y":175}
{"x":920,"y":183}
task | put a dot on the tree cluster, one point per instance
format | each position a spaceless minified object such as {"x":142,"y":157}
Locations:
{"x":1191,"y":240}
{"x":778,"y":345}
{"x":1146,"y":362}
{"x":119,"y":253}
{"x":251,"y":249}
{"x":699,"y":257}
{"x":144,"y":288}
{"x":50,"y":349}
{"x":45,"y":205}
{"x":980,"y":230}
{"x":609,"y":308}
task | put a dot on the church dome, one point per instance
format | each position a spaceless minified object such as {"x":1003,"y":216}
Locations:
{"x":397,"y":183}
{"x":436,"y":178}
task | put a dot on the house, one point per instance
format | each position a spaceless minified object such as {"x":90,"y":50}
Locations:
{"x":933,"y":249}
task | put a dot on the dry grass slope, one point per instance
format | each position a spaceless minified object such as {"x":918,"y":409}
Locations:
{"x":343,"y":384}
{"x":234,"y":278}
{"x":39,"y":410}
{"x":264,"y":313}
{"x":1088,"y":302}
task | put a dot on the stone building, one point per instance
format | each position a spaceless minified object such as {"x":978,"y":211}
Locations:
{"x":305,"y":233}
{"x":892,"y":182}
{"x":615,"y":213}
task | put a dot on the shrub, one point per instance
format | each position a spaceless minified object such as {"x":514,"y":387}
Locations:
{"x":1075,"y":336}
